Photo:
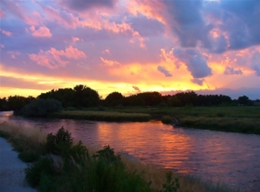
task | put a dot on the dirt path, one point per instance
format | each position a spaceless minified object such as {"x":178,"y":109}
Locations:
{"x":11,"y":170}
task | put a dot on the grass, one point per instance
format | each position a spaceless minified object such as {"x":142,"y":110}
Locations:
{"x":79,"y":168}
{"x":243,"y":119}
{"x":102,"y":116}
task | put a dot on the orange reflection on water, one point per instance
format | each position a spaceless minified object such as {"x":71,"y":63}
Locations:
{"x":139,"y":140}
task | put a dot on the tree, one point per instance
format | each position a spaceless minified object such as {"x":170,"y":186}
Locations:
{"x":41,"y":107}
{"x":244,"y":100}
{"x":85,"y":96}
{"x":114,"y":99}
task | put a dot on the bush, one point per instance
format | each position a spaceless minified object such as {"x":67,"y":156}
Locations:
{"x":37,"y":171}
{"x":167,"y":120}
{"x":28,"y":156}
{"x":60,"y":143}
{"x":41,"y":108}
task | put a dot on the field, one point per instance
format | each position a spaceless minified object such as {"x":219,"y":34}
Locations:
{"x":245,"y":119}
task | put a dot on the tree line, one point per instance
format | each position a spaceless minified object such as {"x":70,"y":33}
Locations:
{"x":82,"y":96}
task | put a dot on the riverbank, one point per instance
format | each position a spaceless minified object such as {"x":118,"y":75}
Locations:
{"x":243,"y":119}
{"x":25,"y":138}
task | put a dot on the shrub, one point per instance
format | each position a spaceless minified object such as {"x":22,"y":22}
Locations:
{"x":41,"y":108}
{"x":28,"y":156}
{"x":35,"y":172}
{"x":167,"y":120}
{"x":60,"y":143}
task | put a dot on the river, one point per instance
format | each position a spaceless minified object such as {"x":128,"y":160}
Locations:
{"x":231,"y":158}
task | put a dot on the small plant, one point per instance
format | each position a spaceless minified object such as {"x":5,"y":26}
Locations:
{"x":35,"y":172}
{"x":167,"y":120}
{"x":171,"y":185}
{"x":28,"y":156}
{"x":108,"y":155}
{"x":60,"y":143}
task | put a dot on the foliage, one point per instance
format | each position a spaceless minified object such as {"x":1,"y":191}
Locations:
{"x":28,"y":156}
{"x":59,"y":143}
{"x":167,"y":120}
{"x":41,"y":108}
{"x":171,"y":185}
{"x":37,"y":171}
{"x":243,"y":100}
{"x":114,"y":99}
{"x":102,"y":116}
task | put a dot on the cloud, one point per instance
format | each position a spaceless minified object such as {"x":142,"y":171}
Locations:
{"x":7,"y":33}
{"x":186,"y":21}
{"x":136,"y":88}
{"x":255,"y":62}
{"x":79,"y":5}
{"x":61,"y":16}
{"x":164,"y":71}
{"x":194,"y":61}
{"x":109,"y":62}
{"x":198,"y":81}
{"x":40,"y":32}
{"x":2,"y":13}
{"x":107,"y":51}
{"x":54,"y":58}
{"x":23,"y":83}
{"x":75,"y":39}
{"x":242,"y":22}
{"x":231,"y":71}
{"x":20,"y":12}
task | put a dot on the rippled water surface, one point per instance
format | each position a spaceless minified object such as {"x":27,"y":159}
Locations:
{"x":232,"y":158}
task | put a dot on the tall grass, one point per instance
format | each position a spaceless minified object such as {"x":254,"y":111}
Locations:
{"x":102,"y":116}
{"x":79,"y":169}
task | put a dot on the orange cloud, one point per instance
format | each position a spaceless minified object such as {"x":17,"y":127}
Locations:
{"x":40,"y":32}
{"x":147,"y":8}
{"x":52,"y":58}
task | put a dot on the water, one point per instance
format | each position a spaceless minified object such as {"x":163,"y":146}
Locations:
{"x":231,"y":158}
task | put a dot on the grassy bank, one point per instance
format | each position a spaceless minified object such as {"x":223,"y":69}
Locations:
{"x":66,"y":165}
{"x":244,"y":119}
{"x":102,"y":116}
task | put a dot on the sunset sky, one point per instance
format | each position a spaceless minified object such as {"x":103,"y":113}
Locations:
{"x":130,"y":46}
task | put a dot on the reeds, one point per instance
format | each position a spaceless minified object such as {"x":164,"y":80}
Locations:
{"x":102,"y":116}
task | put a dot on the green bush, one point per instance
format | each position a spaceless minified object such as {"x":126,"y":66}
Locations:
{"x":37,"y":171}
{"x":60,"y":143}
{"x":28,"y":156}
{"x":167,"y":120}
{"x":41,"y":108}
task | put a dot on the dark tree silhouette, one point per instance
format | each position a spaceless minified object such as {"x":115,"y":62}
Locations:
{"x":114,"y":99}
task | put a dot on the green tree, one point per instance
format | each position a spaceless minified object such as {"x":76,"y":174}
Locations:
{"x":114,"y":99}
{"x":86,"y":97}
{"x":244,"y":100}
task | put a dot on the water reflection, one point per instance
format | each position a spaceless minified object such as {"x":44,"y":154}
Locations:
{"x":232,"y":158}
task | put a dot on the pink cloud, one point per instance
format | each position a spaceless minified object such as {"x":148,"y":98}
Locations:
{"x":20,"y":12}
{"x":109,"y":62}
{"x":2,"y":13}
{"x":7,"y":33}
{"x":75,"y":39}
{"x":40,"y":32}
{"x":62,"y":17}
{"x":54,"y":58}
{"x":107,"y":51}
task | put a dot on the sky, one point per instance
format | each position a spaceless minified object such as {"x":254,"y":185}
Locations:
{"x":130,"y":46}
